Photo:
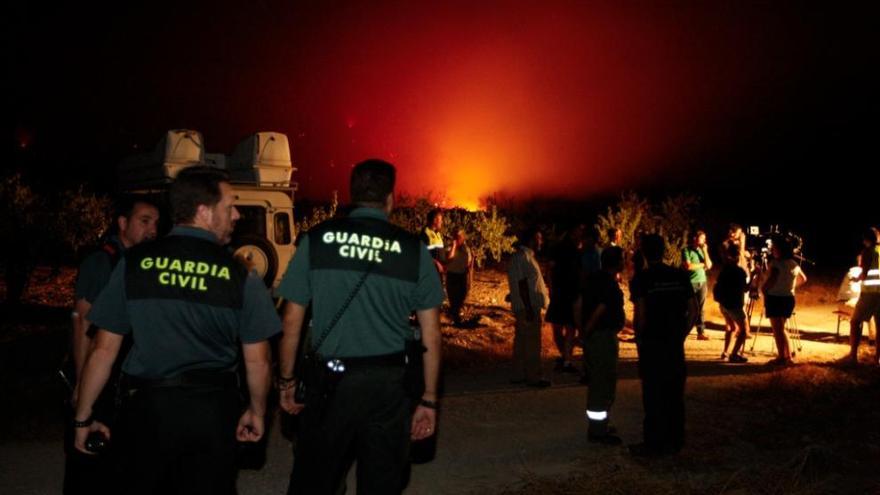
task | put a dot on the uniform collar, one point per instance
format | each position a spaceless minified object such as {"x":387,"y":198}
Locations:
{"x":117,"y":242}
{"x":186,"y":230}
{"x":368,"y":212}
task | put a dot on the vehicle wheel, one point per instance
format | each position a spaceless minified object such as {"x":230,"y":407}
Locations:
{"x":259,"y":255}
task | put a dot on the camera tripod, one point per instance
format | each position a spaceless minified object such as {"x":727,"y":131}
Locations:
{"x":760,"y":264}
{"x":791,"y":327}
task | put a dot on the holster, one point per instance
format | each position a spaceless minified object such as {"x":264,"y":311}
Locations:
{"x":318,"y":379}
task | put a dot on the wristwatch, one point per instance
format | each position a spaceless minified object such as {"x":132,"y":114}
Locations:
{"x":84,"y":423}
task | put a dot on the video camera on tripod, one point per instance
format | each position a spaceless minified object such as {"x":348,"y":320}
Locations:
{"x":760,"y":246}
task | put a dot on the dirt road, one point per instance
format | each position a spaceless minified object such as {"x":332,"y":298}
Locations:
{"x":491,"y":436}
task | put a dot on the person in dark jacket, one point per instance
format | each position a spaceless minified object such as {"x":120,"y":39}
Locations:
{"x":665,"y":311}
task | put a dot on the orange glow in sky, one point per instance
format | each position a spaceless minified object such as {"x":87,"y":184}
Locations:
{"x":483,"y":137}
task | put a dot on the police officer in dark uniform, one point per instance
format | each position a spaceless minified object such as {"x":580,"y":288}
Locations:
{"x":665,"y":310}
{"x":135,"y":222}
{"x":363,"y":277}
{"x":190,"y":308}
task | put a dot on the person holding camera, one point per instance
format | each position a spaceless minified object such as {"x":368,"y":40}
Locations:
{"x":354,"y":392}
{"x":190,"y":309}
{"x":784,"y":276}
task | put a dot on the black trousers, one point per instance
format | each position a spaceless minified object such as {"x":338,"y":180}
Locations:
{"x":86,"y":474}
{"x":367,"y":418}
{"x":93,"y":474}
{"x":663,"y":373}
{"x":457,"y":290}
{"x":180,"y":440}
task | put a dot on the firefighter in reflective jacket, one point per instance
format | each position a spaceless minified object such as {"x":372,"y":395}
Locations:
{"x":434,"y":239}
{"x":869,"y":299}
{"x":599,"y":312}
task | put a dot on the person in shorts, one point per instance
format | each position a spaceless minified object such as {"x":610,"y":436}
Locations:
{"x":729,"y":292}
{"x":785,"y":275}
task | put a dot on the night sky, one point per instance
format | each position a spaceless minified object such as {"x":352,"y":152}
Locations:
{"x":769,"y":103}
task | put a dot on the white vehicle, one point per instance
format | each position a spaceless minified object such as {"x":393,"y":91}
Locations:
{"x":260,"y":168}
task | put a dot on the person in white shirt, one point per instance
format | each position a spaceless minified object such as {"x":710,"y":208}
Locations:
{"x":784,"y":276}
{"x":528,"y":297}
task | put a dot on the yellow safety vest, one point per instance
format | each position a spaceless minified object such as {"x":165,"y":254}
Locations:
{"x":435,"y":239}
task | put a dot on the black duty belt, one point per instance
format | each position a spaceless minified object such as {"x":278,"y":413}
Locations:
{"x":193,"y":379}
{"x":389,"y":360}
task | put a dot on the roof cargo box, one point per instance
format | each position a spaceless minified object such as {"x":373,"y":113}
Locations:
{"x":178,"y":149}
{"x":263,"y":158}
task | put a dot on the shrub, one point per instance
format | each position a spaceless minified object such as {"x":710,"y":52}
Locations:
{"x":80,"y":218}
{"x":487,"y":232}
{"x":494,"y":240}
{"x":633,"y":215}
{"x":318,"y":214}
{"x":19,"y":206}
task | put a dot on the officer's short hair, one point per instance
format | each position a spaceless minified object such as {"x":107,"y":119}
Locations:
{"x":653,"y":247}
{"x":872,"y":235}
{"x":372,"y":181}
{"x":612,"y":257}
{"x":124,"y":205}
{"x":195,"y":186}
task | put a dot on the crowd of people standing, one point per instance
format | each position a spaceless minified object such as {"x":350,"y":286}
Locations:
{"x":170,"y":356}
{"x":585,"y":307}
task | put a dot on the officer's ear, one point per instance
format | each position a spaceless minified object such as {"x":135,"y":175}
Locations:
{"x":204,"y":215}
{"x":389,"y":203}
{"x":121,"y":224}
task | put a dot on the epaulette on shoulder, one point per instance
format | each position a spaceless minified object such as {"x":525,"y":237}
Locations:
{"x":110,"y":248}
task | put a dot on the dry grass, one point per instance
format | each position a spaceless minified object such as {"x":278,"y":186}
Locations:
{"x":805,"y":430}
{"x":801,"y":431}
{"x":47,"y":288}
